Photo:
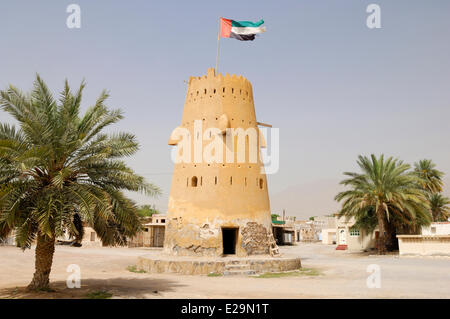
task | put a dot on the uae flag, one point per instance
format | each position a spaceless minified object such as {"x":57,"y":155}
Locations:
{"x":241,"y":30}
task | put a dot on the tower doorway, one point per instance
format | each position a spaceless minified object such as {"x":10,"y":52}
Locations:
{"x":229,"y":240}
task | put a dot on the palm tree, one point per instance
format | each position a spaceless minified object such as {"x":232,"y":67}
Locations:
{"x":431,"y":177}
{"x":387,"y":190}
{"x":366,"y":220}
{"x":146,"y":211}
{"x":58,"y":169}
{"x":439,"y":209}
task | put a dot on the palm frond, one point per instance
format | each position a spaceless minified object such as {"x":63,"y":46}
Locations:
{"x":59,"y":171}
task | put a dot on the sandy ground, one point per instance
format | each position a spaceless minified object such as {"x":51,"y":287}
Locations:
{"x":343,"y":275}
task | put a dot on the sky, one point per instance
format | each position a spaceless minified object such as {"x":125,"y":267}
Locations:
{"x":334,"y":88}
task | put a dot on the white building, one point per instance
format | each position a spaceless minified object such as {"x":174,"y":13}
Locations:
{"x":9,"y":241}
{"x":437,"y":228}
{"x":152,"y":234}
{"x":346,"y":236}
{"x":434,"y":241}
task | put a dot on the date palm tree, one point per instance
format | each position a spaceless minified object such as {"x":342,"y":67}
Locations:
{"x":438,"y":205}
{"x":431,"y":177}
{"x":59,"y":170}
{"x":387,"y":190}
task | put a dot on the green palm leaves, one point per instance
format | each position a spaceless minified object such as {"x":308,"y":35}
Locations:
{"x":386,"y":191}
{"x":439,"y":207}
{"x":431,"y":177}
{"x":431,"y":182}
{"x":58,"y":164}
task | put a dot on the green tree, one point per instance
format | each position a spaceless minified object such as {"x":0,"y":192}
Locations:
{"x":431,"y":178}
{"x":366,"y":219}
{"x":146,"y":211}
{"x":387,"y":191}
{"x":439,"y":209}
{"x":58,"y":170}
{"x":274,"y":216}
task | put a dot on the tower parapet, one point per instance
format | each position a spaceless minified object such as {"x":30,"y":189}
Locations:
{"x":219,"y":201}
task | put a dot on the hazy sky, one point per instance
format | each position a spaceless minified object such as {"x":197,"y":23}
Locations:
{"x":334,"y":87}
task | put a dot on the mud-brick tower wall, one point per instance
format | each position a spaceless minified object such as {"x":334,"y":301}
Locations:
{"x":206,"y":197}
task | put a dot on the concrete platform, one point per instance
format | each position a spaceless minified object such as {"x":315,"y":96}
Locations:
{"x":222,"y":265}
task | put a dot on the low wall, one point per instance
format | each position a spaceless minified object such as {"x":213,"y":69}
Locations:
{"x":202,"y":266}
{"x":424,"y":245}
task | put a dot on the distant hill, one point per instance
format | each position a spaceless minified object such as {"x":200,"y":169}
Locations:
{"x":302,"y":200}
{"x":308,"y":199}
{"x":315,"y":198}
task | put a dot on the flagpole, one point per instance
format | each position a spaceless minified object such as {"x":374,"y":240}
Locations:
{"x":218,"y":45}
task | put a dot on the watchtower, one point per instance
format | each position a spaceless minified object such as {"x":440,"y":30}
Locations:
{"x":219,"y":201}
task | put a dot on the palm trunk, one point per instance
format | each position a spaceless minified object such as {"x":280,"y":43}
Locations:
{"x":382,"y":233}
{"x":43,"y":263}
{"x":434,"y":216}
{"x":390,"y":236}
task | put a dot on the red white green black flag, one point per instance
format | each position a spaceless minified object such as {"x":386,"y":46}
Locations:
{"x":240,"y":30}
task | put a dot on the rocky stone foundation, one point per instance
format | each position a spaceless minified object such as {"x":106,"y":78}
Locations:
{"x":186,"y":266}
{"x":254,"y":239}
{"x":205,"y":240}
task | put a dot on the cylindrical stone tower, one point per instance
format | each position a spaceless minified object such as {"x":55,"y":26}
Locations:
{"x":218,"y":206}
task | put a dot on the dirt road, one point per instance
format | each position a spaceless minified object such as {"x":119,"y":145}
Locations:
{"x":342,"y":275}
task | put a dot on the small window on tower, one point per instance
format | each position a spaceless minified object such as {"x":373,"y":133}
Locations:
{"x":194,"y":181}
{"x":231,"y":180}
{"x":261,"y":183}
{"x":215,"y":180}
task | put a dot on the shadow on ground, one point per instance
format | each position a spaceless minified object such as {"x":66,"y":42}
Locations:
{"x":373,"y":252}
{"x":118,"y":287}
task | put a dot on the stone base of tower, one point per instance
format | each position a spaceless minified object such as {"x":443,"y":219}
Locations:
{"x":161,"y":263}
{"x":215,"y":239}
